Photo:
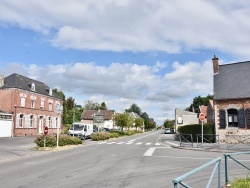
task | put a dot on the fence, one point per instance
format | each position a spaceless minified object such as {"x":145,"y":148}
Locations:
{"x":186,"y":140}
{"x":217,"y":162}
{"x":209,"y":140}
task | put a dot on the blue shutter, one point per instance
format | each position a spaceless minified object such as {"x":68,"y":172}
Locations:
{"x":222,"y":119}
{"x":248,"y":117}
{"x":241,"y":118}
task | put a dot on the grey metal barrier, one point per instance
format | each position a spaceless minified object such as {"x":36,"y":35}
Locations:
{"x":217,"y":162}
{"x":229,"y":155}
{"x":186,"y":139}
{"x":209,"y":140}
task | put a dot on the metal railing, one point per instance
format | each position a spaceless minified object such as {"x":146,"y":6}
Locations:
{"x":209,"y":140}
{"x":239,"y":141}
{"x":179,"y":181}
{"x":186,"y":139}
{"x":237,"y":161}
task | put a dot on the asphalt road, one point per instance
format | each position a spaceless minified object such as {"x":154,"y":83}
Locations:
{"x":131,"y":162}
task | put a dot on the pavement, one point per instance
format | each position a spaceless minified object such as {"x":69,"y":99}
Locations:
{"x":16,"y":147}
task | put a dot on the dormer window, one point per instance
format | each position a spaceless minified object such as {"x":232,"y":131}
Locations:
{"x":33,"y":87}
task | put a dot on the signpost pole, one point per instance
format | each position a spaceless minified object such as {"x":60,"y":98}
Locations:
{"x":44,"y":144}
{"x":202,"y":133}
{"x":57,"y":134}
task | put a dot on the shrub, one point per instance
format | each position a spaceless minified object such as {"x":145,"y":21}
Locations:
{"x":241,"y":183}
{"x":99,"y":136}
{"x":113,"y":135}
{"x":195,"y":129}
{"x":51,"y":140}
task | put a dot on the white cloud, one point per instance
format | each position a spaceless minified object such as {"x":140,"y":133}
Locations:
{"x":120,"y":85}
{"x":128,"y":25}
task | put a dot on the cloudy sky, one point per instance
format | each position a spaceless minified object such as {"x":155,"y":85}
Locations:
{"x":156,"y":54}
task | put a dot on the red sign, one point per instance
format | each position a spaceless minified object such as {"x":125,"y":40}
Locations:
{"x":46,"y":130}
{"x":202,"y":117}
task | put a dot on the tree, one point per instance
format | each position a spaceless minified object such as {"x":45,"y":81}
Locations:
{"x":134,"y":108}
{"x":169,"y":123}
{"x":139,"y":122}
{"x":199,"y":101}
{"x":124,"y":120}
{"x":103,"y":106}
{"x":90,"y":105}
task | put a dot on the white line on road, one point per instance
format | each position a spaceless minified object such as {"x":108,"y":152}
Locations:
{"x":149,"y":152}
{"x":111,"y":142}
{"x":138,"y":143}
{"x":147,"y":144}
{"x":121,"y":143}
{"x":129,"y":143}
{"x":173,"y":144}
{"x":157,"y":144}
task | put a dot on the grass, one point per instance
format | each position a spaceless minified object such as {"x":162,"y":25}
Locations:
{"x":241,"y":183}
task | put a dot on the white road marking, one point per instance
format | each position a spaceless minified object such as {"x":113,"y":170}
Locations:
{"x":157,"y":144}
{"x":111,"y":142}
{"x":173,"y":144}
{"x":138,"y":143}
{"x":102,"y":143}
{"x":121,"y":143}
{"x":129,"y":143}
{"x":147,"y":144}
{"x":149,"y":152}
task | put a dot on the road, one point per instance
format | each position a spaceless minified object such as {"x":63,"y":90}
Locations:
{"x":131,"y":162}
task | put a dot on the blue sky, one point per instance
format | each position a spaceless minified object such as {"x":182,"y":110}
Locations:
{"x":156,"y":54}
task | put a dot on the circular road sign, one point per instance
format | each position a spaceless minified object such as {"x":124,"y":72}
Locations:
{"x":202,"y":117}
{"x":46,"y":130}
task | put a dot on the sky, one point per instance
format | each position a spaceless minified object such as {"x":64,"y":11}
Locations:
{"x":156,"y":54}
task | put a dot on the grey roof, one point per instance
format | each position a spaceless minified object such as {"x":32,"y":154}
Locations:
{"x":22,"y":82}
{"x":134,"y":115}
{"x":232,"y":81}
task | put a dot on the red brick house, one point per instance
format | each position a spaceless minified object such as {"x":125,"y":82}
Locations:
{"x":31,"y":103}
{"x":231,"y":98}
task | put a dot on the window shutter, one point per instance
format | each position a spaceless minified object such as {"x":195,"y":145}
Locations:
{"x":241,"y":118}
{"x":222,"y":119}
{"x":248,"y":117}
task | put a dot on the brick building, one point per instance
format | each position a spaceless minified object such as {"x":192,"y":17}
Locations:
{"x":231,"y":98}
{"x":31,"y":103}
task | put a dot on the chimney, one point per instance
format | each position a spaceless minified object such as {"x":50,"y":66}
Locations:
{"x":216,"y":65}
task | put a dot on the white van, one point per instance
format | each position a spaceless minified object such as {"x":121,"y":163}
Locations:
{"x":81,"y":130}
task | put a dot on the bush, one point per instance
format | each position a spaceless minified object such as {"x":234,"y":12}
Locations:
{"x":99,"y":136}
{"x":66,"y":128}
{"x":241,"y":183}
{"x":195,"y":129}
{"x":113,"y":135}
{"x":51,"y":140}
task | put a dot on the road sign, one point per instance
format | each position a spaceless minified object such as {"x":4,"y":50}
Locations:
{"x":46,"y":130}
{"x":202,"y":117}
{"x":98,"y":118}
{"x":58,"y":109}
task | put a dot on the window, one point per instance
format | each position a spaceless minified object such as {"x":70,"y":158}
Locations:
{"x":33,"y":87}
{"x":31,"y":120}
{"x":42,"y":105}
{"x":49,"y":122}
{"x":32,"y":103}
{"x":179,"y":120}
{"x":19,"y":121}
{"x":50,"y":106}
{"x":22,"y":101}
{"x":232,"y":118}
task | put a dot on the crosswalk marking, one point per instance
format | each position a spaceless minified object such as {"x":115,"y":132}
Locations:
{"x":111,"y":143}
{"x":157,"y":144}
{"x":147,"y":144}
{"x":130,"y":143}
{"x":138,"y":143}
{"x":121,"y":143}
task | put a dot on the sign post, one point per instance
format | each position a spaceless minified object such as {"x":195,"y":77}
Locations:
{"x":58,"y":109}
{"x":45,"y":132}
{"x":202,"y":118}
{"x":98,"y":118}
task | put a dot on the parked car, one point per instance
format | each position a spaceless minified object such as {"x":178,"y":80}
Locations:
{"x":167,"y":131}
{"x":104,"y":129}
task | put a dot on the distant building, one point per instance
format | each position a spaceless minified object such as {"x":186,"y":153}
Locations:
{"x":183,"y":117}
{"x":31,"y":104}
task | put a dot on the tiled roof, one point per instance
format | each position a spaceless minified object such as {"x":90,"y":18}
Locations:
{"x":232,"y":81}
{"x":22,"y":82}
{"x":88,"y":114}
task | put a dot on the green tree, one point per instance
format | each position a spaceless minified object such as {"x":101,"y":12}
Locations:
{"x":134,"y":108}
{"x":169,"y":123}
{"x":139,"y":122}
{"x":90,"y":105}
{"x":124,"y":120}
{"x":199,"y":101}
{"x":103,"y":106}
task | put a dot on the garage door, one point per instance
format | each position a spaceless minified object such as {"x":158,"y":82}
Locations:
{"x":5,"y":127}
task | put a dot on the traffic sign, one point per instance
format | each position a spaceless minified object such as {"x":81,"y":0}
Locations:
{"x":58,"y":109}
{"x":202,"y":117}
{"x":46,"y":130}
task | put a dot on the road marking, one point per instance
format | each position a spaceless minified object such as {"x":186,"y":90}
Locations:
{"x":157,"y":144}
{"x":149,"y":152}
{"x":138,"y":143}
{"x":111,"y":142}
{"x":129,"y":143}
{"x":121,"y":143}
{"x":102,"y":143}
{"x":147,"y":144}
{"x":173,"y":144}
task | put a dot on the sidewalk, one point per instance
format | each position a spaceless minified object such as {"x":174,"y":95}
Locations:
{"x":210,"y":147}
